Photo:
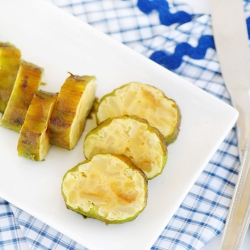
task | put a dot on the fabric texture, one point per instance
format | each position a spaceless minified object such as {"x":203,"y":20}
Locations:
{"x":182,"y":42}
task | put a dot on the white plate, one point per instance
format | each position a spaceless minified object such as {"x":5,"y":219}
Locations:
{"x":60,"y":43}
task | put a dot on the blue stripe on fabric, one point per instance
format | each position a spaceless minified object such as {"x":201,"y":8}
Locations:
{"x":3,"y":202}
{"x":207,"y":201}
{"x":208,"y":187}
{"x":6,"y":214}
{"x":195,"y":222}
{"x":14,"y":241}
{"x":40,"y":246}
{"x":223,"y":153}
{"x":168,"y":18}
{"x":230,"y":170}
{"x":224,"y":180}
{"x":165,"y":16}
{"x":44,"y":233}
{"x":9,"y":228}
{"x":232,"y":142}
{"x":248,"y":26}
{"x":176,"y":241}
{"x":208,"y":214}
{"x":174,"y":60}
{"x":195,"y":235}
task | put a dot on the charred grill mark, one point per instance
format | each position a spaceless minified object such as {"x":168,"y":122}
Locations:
{"x":58,"y":121}
{"x":18,"y":121}
{"x":30,"y":138}
{"x":25,"y":81}
{"x":40,"y":96}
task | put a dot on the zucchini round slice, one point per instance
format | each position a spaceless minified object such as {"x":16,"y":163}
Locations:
{"x":108,"y":187}
{"x":130,"y":136}
{"x":144,"y":101}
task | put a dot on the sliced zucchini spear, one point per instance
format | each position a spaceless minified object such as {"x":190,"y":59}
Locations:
{"x":107,"y":187}
{"x":72,"y":107}
{"x":130,"y":136}
{"x":144,"y":101}
{"x":27,"y":83}
{"x":9,"y":65}
{"x":33,"y":142}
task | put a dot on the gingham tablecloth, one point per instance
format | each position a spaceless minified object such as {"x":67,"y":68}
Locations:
{"x":172,"y":36}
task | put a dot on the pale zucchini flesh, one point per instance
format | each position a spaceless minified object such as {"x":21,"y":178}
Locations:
{"x":144,"y":101}
{"x":107,"y":187}
{"x":130,"y":136}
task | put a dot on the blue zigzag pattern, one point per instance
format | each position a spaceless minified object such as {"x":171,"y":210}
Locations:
{"x":166,"y":18}
{"x":173,"y":61}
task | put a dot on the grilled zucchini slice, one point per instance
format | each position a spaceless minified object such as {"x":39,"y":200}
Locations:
{"x":72,"y":107}
{"x":33,"y":142}
{"x":107,"y":187}
{"x":130,"y":136}
{"x":27,"y":83}
{"x":144,"y":101}
{"x":10,"y":58}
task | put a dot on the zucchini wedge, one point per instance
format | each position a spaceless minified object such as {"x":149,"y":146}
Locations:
{"x":27,"y":83}
{"x":130,"y":136}
{"x":10,"y":58}
{"x":73,"y":105}
{"x":33,"y":142}
{"x":144,"y":101}
{"x":107,"y":187}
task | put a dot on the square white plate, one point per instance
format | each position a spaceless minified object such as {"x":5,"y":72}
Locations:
{"x":59,"y":42}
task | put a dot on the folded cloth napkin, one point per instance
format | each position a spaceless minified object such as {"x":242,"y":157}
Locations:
{"x":175,"y":38}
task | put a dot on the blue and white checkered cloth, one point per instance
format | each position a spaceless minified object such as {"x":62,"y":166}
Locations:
{"x":183,"y":42}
